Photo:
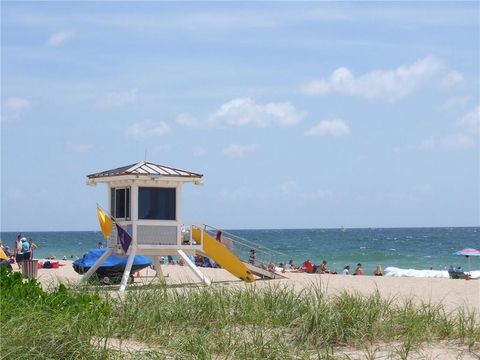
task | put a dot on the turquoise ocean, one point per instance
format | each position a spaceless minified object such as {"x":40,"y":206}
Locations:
{"x":406,"y":248}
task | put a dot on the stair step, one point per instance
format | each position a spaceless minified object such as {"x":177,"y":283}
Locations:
{"x":262,"y":272}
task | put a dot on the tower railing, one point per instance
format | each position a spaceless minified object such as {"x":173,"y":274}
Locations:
{"x":242,"y":248}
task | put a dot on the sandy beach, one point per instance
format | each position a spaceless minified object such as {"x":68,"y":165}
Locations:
{"x":451,"y":293}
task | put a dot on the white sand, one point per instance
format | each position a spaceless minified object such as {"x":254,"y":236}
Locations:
{"x":451,"y":293}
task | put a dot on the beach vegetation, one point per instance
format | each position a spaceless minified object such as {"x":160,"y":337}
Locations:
{"x":36,"y":324}
{"x":228,"y":322}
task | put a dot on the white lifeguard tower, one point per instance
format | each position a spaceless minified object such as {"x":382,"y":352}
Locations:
{"x":145,"y":200}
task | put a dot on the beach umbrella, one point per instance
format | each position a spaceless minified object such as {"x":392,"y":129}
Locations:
{"x":467,"y":253}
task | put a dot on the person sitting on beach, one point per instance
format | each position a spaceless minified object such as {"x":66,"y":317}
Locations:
{"x":4,"y":259}
{"x":198,"y":260}
{"x":11,"y":258}
{"x":280,"y":268}
{"x":7,"y":251}
{"x":206,"y":262}
{"x":346,"y":270}
{"x":358,"y":270}
{"x":322,"y":268}
{"x":290,"y":265}
{"x":308,"y":267}
{"x":378,"y":271}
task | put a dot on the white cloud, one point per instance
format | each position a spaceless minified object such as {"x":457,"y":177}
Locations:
{"x":336,"y":127}
{"x":147,"y":128}
{"x":59,"y":38}
{"x":470,"y":123}
{"x":14,"y":108}
{"x":79,"y":148}
{"x":120,"y":99}
{"x":388,"y":85}
{"x":451,"y":79}
{"x":238,"y":151}
{"x":467,"y":136}
{"x":244,"y":112}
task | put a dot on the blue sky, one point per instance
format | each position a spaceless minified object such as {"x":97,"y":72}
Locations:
{"x":298,"y":114}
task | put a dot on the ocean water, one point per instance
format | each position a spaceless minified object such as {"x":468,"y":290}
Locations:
{"x":405,"y":248}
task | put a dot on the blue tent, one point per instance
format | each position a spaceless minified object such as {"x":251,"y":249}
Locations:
{"x":113,"y":266}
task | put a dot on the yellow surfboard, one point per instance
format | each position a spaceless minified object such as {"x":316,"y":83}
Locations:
{"x":222,"y":256}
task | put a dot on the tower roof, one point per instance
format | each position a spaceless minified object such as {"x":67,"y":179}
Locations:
{"x":145,"y":168}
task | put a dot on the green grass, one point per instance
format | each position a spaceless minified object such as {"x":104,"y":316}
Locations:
{"x":218,"y":322}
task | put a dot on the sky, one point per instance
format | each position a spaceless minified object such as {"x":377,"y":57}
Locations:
{"x":299,"y":114}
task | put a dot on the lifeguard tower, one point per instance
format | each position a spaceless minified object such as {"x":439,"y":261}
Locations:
{"x":145,"y":200}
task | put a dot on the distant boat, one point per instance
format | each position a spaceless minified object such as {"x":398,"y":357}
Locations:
{"x":343,"y":229}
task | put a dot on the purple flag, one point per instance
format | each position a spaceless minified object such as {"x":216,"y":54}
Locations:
{"x":125,"y":238}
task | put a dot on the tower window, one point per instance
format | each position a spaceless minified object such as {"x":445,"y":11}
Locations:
{"x":157,"y":203}
{"x":120,"y":202}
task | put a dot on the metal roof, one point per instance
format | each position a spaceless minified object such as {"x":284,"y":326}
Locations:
{"x":145,"y":168}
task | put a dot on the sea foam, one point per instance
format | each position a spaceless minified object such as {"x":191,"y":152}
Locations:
{"x":397,"y":272}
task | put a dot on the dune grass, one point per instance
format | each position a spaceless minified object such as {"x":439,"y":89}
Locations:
{"x":217,"y":322}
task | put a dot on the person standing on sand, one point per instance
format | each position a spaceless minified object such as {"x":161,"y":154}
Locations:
{"x":17,"y":250}
{"x":251,"y":258}
{"x":346,"y":270}
{"x":33,"y":246}
{"x":25,"y":249}
{"x":358,"y":270}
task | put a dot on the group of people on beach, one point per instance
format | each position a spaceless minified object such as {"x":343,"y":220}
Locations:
{"x":359,"y":271}
{"x":23,"y":249}
{"x":322,"y":269}
{"x":310,"y":268}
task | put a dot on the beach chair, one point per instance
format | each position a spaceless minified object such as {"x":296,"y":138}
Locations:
{"x":454,"y":274}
